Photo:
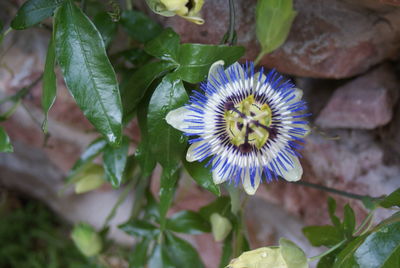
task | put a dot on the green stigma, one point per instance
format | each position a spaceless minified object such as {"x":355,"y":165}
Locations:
{"x":247,"y":123}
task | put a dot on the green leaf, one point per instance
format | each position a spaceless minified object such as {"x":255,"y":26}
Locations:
{"x":195,"y":60}
{"x":143,"y":152}
{"x":49,"y":83}
{"x":378,"y":249}
{"x":140,"y":228}
{"x":349,"y":221}
{"x":182,"y":253}
{"x":220,"y":205}
{"x":139,"y":26}
{"x":34,"y":11}
{"x":293,"y":255}
{"x":114,"y":159}
{"x":329,"y":260}
{"x":138,"y":258}
{"x":325,"y":235}
{"x":5,"y":145}
{"x":227,"y":251}
{"x":188,"y":222}
{"x":93,"y":150}
{"x":274,"y":19}
{"x":135,"y":88}
{"x":391,"y":200}
{"x":87,"y":71}
{"x":167,"y":143}
{"x":332,"y":212}
{"x":202,"y":176}
{"x":161,"y":258}
{"x":145,"y":159}
{"x":106,"y":26}
{"x":167,"y":190}
{"x":165,"y":46}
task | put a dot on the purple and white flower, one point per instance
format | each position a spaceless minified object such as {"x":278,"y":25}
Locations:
{"x":246,"y":125}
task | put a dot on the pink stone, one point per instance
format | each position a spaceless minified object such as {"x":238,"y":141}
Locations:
{"x":329,"y":39}
{"x":365,"y":102}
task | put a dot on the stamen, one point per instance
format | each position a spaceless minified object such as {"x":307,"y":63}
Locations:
{"x":248,"y":123}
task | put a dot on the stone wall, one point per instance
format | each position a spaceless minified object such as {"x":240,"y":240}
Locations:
{"x":343,"y":54}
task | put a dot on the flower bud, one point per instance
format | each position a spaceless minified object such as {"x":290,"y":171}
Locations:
{"x":90,"y":178}
{"x":287,"y":255}
{"x":220,"y":226}
{"x":187,"y":9}
{"x":86,"y":239}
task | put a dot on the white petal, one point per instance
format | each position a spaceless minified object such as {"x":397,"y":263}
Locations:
{"x":306,"y":127}
{"x":214,"y":68}
{"x":176,"y":118}
{"x":190,"y":155}
{"x":216,"y":177}
{"x":298,"y":93}
{"x":250,"y":190}
{"x":293,"y":174}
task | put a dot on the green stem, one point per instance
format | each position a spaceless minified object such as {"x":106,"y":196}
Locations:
{"x":367,"y":219}
{"x":230,"y":35}
{"x":259,"y":57}
{"x":129,"y":4}
{"x":83,"y":5}
{"x":332,"y":190}
{"x":121,"y":199}
{"x":327,"y":252}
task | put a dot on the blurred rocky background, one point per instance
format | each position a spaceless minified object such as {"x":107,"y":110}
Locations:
{"x":344,"y":54}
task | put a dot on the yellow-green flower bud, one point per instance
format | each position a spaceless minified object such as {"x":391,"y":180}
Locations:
{"x":90,"y":178}
{"x":86,"y":239}
{"x":287,"y":255}
{"x":220,"y":227}
{"x":187,"y":9}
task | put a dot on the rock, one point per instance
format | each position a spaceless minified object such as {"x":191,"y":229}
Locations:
{"x":329,"y":39}
{"x":365,"y":102}
{"x":390,"y":136}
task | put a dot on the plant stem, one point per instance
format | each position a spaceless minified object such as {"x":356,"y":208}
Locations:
{"x":83,"y":5}
{"x":259,"y":57}
{"x":367,"y":219}
{"x":121,"y":199}
{"x":332,"y":190}
{"x":230,"y":35}
{"x":129,"y":4}
{"x":327,"y":252}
